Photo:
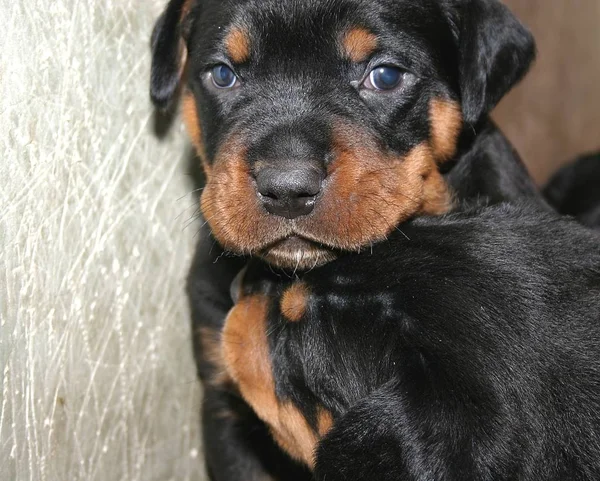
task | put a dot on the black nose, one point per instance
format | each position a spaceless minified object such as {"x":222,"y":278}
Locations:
{"x":288,"y":193}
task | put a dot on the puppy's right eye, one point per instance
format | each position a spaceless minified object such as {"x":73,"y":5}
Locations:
{"x":223,"y":77}
{"x":384,"y":78}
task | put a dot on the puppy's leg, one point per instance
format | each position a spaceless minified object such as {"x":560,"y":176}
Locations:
{"x":364,"y":444}
{"x":237,"y":445}
{"x":389,"y":437}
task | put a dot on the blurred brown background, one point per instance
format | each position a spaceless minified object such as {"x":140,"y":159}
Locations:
{"x":554,"y":115}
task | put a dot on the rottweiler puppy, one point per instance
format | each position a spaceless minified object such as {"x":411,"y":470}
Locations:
{"x":465,"y":347}
{"x":321,"y":125}
{"x":575,"y":190}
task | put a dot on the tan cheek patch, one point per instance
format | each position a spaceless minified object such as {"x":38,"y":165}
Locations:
{"x":358,"y":44}
{"x":246,"y":353}
{"x":228,"y":201}
{"x":294,"y":301}
{"x":230,"y":205}
{"x":434,"y":194}
{"x":379,"y":190}
{"x":446,"y":123}
{"x":237,"y":44}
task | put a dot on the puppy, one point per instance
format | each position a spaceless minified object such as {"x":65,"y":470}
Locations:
{"x":321,"y":125}
{"x":575,"y":190}
{"x":465,"y":347}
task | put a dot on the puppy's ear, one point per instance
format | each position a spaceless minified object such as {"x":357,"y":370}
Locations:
{"x":495,"y":52}
{"x":169,"y":52}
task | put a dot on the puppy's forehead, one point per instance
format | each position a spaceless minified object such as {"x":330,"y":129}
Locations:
{"x":282,"y":28}
{"x":278,"y":29}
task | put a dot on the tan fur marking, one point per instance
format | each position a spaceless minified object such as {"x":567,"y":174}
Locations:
{"x":237,"y":44}
{"x":229,"y":202}
{"x":294,"y":434}
{"x":358,"y":44}
{"x":194,"y":129}
{"x":325,"y":421}
{"x":446,"y":123}
{"x":246,"y":353}
{"x":293,"y":302}
{"x":436,"y":198}
{"x":384,"y":190}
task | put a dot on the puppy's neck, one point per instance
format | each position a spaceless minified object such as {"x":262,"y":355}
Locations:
{"x":488,"y":168}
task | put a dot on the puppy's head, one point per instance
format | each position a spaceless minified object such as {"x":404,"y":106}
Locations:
{"x":321,"y":123}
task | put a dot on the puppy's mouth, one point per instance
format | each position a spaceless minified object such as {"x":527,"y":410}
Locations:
{"x":297,"y":252}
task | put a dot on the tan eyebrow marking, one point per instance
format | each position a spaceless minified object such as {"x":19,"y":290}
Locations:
{"x":237,"y":44}
{"x":358,"y":44}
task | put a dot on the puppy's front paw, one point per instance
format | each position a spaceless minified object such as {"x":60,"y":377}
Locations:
{"x":359,"y":448}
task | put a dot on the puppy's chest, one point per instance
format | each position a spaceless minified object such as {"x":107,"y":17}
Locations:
{"x":252,"y":343}
{"x":298,"y":372}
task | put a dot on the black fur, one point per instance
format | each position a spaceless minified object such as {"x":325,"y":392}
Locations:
{"x":575,"y":190}
{"x":166,"y":55}
{"x":466,"y":347}
{"x":495,"y":53}
{"x":469,"y":51}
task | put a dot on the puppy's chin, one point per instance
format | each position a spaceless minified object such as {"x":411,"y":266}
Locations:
{"x":297,"y":253}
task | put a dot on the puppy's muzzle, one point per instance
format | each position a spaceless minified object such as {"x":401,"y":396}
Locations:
{"x":288,"y":166}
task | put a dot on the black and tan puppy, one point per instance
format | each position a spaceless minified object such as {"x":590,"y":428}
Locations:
{"x":321,"y":125}
{"x":465,"y":347}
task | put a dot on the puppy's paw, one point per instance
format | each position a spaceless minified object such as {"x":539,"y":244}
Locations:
{"x":360,"y":447}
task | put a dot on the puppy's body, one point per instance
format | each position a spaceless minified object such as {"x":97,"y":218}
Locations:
{"x":465,"y":347}
{"x":321,"y":125}
{"x":238,"y":445}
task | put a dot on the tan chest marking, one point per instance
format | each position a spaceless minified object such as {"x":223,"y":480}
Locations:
{"x":246,"y":355}
{"x":294,"y":301}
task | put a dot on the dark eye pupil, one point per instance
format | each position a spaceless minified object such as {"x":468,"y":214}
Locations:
{"x":385,"y":78}
{"x":223,"y":76}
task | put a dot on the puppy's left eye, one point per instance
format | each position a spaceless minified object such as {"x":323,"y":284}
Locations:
{"x":223,"y":77}
{"x":384,"y":77}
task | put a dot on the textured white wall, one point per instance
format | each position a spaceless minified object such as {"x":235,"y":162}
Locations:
{"x":96,"y":375}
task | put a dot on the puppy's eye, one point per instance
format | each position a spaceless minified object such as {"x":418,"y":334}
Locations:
{"x":223,"y":77}
{"x":384,"y":77}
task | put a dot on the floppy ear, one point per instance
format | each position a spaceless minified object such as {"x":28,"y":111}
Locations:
{"x":495,"y":52}
{"x":169,"y":52}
